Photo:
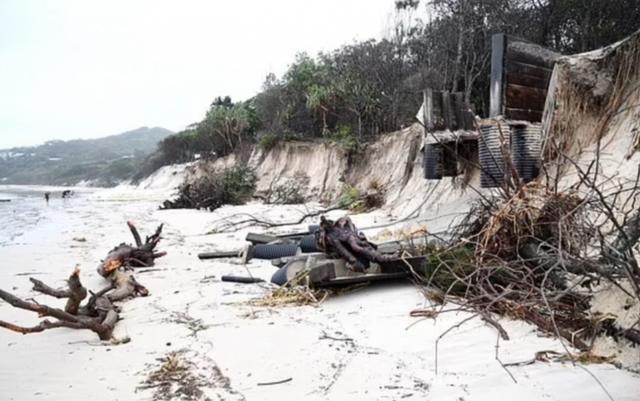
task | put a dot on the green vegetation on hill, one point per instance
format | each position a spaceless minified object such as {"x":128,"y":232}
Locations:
{"x":367,"y":88}
{"x":104,"y":161}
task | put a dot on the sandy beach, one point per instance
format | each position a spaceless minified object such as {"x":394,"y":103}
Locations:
{"x":358,"y":346}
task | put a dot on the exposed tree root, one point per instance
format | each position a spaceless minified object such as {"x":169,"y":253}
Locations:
{"x":98,"y":315}
{"x":117,"y":265}
{"x":342,"y":238}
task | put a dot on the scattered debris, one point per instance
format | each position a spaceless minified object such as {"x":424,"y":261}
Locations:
{"x":175,"y":379}
{"x":180,"y":377}
{"x":554,"y":356}
{"x":244,"y":280}
{"x":296,"y":295}
{"x":276,"y":382}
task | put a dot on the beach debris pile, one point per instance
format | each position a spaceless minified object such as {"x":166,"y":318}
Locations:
{"x":100,"y":313}
{"x":233,"y":186}
{"x":206,"y":194}
{"x":530,"y":253}
{"x":331,"y":254}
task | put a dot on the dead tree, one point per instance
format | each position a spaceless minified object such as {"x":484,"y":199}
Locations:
{"x":343,"y":239}
{"x":99,"y":314}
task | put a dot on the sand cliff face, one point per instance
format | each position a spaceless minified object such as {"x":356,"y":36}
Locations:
{"x":394,"y":162}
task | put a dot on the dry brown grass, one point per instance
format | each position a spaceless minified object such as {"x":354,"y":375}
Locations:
{"x":291,"y":296}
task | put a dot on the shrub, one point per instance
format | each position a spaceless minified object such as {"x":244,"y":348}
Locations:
{"x":357,"y":201}
{"x":268,"y":141}
{"x":349,"y":197}
{"x":344,"y":137}
{"x":238,"y":183}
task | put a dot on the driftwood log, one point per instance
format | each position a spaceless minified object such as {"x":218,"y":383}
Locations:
{"x":99,"y":314}
{"x":342,"y":239}
{"x":118,"y":265}
{"x":129,"y":256}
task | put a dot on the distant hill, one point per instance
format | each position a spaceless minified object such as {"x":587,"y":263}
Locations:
{"x":102,"y":162}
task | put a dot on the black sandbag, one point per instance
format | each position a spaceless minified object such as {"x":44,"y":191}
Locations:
{"x":266,"y":251}
{"x":308,"y":244}
{"x":280,"y":276}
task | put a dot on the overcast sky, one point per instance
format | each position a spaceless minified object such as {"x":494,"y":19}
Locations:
{"x":85,"y":69}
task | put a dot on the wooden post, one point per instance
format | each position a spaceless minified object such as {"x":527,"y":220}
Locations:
{"x":428,"y":109}
{"x":458,"y":109}
{"x":447,"y":111}
{"x":498,"y":44}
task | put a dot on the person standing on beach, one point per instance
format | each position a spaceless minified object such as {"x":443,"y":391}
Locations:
{"x":46,"y":197}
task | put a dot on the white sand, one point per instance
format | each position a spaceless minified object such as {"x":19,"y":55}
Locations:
{"x":385,"y":361}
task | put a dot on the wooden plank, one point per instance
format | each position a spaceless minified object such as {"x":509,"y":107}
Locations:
{"x":428,"y":109}
{"x":523,"y":57}
{"x":434,"y":120}
{"x":447,"y":111}
{"x":515,"y":67}
{"x":524,"y":97}
{"x":527,"y":80}
{"x":469,"y":137}
{"x":256,"y":238}
{"x":497,"y":75}
{"x":523,"y":114}
{"x":438,"y":111}
{"x":469,"y":117}
{"x":458,"y":109}
{"x":218,"y":255}
{"x":523,"y":51}
{"x":549,"y":106}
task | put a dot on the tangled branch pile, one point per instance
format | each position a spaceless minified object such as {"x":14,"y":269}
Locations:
{"x":536,"y":255}
{"x":234,"y":186}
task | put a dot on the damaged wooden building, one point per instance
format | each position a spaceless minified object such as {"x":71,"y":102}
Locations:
{"x":456,"y":141}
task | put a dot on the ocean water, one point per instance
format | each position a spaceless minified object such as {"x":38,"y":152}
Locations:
{"x":24,"y":207}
